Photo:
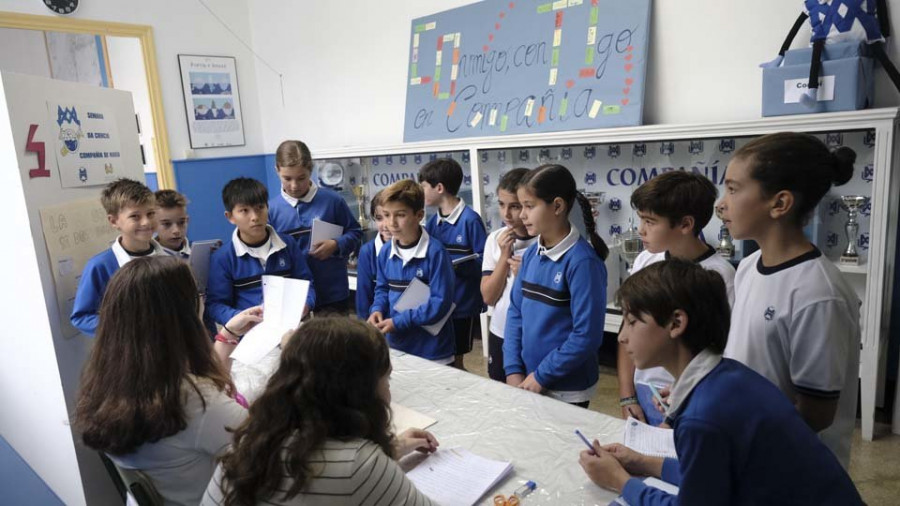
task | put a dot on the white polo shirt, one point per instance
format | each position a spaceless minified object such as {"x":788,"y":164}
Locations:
{"x":710,"y":261}
{"x":491,"y":257}
{"x":123,"y":256}
{"x":797,"y":324}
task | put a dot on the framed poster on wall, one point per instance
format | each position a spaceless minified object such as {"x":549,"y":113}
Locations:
{"x":211,"y":100}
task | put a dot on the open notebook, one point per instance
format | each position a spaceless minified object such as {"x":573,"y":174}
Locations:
{"x":456,"y":476}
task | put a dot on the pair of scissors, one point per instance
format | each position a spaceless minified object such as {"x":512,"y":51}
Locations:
{"x":501,"y":500}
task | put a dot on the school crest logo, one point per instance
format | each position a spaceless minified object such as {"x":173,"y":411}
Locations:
{"x":448,"y":156}
{"x":544,"y":155}
{"x":866,"y":209}
{"x":770,"y":313}
{"x":869,"y":139}
{"x":484,"y":156}
{"x":375,"y":161}
{"x":726,"y":146}
{"x":419,"y":273}
{"x":696,"y":147}
{"x":615,"y":229}
{"x":639,"y":149}
{"x":590,"y":178}
{"x":281,"y":262}
{"x":667,"y":148}
{"x":69,"y":129}
{"x":834,"y":207}
{"x":863,"y":241}
{"x":402,"y":159}
{"x":352,"y":180}
{"x":467,"y":180}
{"x":459,"y":239}
{"x":565,"y":153}
{"x":389,"y":160}
{"x":466,"y":157}
{"x":831,"y":240}
{"x":614,"y":151}
{"x":417,"y":159}
{"x":524,"y":155}
{"x":558,"y":278}
{"x":432,"y":157}
{"x":486,"y":178}
{"x":590,"y":152}
{"x":82,"y":175}
{"x":615,"y":205}
{"x":868,"y":173}
{"x":108,"y":168}
{"x":834,"y":140}
{"x":501,"y":156}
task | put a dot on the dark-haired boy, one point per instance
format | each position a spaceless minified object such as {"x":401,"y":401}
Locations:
{"x":462,"y":233}
{"x":412,"y":254}
{"x":673,"y":208}
{"x":739,"y":440}
{"x":255,"y":249}
{"x":130,"y":209}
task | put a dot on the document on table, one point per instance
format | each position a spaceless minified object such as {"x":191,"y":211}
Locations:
{"x":323,"y":231}
{"x":649,"y":440}
{"x":456,"y":476}
{"x":283,"y":302}
{"x":417,"y":294}
{"x":200,"y":254}
{"x":403,"y":418}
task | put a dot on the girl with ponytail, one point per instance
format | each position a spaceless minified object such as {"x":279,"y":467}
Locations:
{"x":561,"y":286}
{"x":795,"y":318}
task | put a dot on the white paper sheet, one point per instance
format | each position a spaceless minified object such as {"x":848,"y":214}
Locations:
{"x":283,"y":302}
{"x":417,"y":294}
{"x":200,"y":254}
{"x":649,"y":440}
{"x":404,"y":418}
{"x":456,"y":476}
{"x":323,"y":231}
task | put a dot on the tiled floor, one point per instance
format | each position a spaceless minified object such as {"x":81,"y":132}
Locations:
{"x":874,"y":466}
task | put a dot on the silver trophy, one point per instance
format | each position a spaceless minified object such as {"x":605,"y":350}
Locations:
{"x":852,"y":204}
{"x":725,"y":247}
{"x":628,"y":243}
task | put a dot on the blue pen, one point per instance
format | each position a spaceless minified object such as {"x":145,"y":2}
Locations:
{"x":658,"y":397}
{"x":588,"y":443}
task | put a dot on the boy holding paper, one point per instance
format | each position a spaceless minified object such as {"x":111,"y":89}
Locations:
{"x":425,"y":330}
{"x":255,"y":249}
{"x":739,"y":440}
{"x":292,"y":213}
{"x":461,"y":231}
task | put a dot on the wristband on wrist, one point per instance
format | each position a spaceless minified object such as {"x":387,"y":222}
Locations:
{"x":235,"y":334}
{"x":222,"y":339}
{"x":627,"y":401}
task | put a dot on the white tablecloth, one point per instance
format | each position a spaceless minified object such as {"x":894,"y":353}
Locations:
{"x":495,"y":421}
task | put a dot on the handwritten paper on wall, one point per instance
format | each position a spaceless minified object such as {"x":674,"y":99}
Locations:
{"x":74,"y":232}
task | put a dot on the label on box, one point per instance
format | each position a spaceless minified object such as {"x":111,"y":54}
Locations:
{"x":795,"y":88}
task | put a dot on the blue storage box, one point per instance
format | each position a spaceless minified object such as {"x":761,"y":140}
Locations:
{"x":845,"y":82}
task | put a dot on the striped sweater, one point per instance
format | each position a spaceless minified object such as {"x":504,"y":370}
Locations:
{"x":345,"y":473}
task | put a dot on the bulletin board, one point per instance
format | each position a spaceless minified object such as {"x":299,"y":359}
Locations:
{"x":501,"y":67}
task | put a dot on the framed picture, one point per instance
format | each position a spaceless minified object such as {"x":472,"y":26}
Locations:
{"x":212,"y":101}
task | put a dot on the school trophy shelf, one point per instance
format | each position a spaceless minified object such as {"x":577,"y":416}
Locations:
{"x":609,"y":164}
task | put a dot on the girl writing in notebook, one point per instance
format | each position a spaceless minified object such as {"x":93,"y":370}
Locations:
{"x":561,"y":286}
{"x":321,"y":433}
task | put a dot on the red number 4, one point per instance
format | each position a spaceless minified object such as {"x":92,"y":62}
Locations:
{"x":37,"y":148}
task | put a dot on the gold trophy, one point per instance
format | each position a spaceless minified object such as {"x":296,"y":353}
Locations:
{"x":360,"y":192}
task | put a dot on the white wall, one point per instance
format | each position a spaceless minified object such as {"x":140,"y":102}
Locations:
{"x":181,"y":27}
{"x":345,"y":68}
{"x":30,"y":54}
{"x":127,"y":68}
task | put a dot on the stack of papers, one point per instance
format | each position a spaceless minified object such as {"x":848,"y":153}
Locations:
{"x":283,"y":302}
{"x":456,"y":476}
{"x":417,"y":294}
{"x":649,"y":440}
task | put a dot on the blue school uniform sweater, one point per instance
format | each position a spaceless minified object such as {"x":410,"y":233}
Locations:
{"x":393,"y":277}
{"x":462,"y":237}
{"x":740,"y":441}
{"x":94,"y":278}
{"x":331,"y":274}
{"x":235,"y":282}
{"x":366,"y":277}
{"x":565,"y":304}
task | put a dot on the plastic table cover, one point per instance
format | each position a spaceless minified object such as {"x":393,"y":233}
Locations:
{"x":496,"y":421}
